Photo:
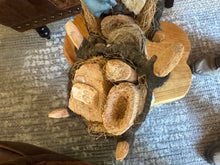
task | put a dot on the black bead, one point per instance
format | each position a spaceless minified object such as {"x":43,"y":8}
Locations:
{"x":169,"y":3}
{"x":43,"y":31}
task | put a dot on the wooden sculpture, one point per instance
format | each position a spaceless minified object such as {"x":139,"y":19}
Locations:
{"x":114,"y":73}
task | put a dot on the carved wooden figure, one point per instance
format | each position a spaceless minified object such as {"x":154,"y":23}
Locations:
{"x":113,"y":78}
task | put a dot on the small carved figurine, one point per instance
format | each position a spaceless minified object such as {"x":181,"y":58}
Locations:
{"x":112,"y":82}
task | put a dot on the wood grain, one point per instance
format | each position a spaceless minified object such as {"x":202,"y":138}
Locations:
{"x":74,"y":34}
{"x":68,"y":46}
{"x":180,"y":79}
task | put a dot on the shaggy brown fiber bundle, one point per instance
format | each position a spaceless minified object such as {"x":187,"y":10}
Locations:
{"x":146,"y":16}
{"x":130,"y":33}
{"x":93,"y":24}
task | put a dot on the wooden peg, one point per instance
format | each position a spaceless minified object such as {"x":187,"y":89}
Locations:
{"x":59,"y":113}
{"x":74,"y":34}
{"x":122,"y":150}
{"x":168,"y":60}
